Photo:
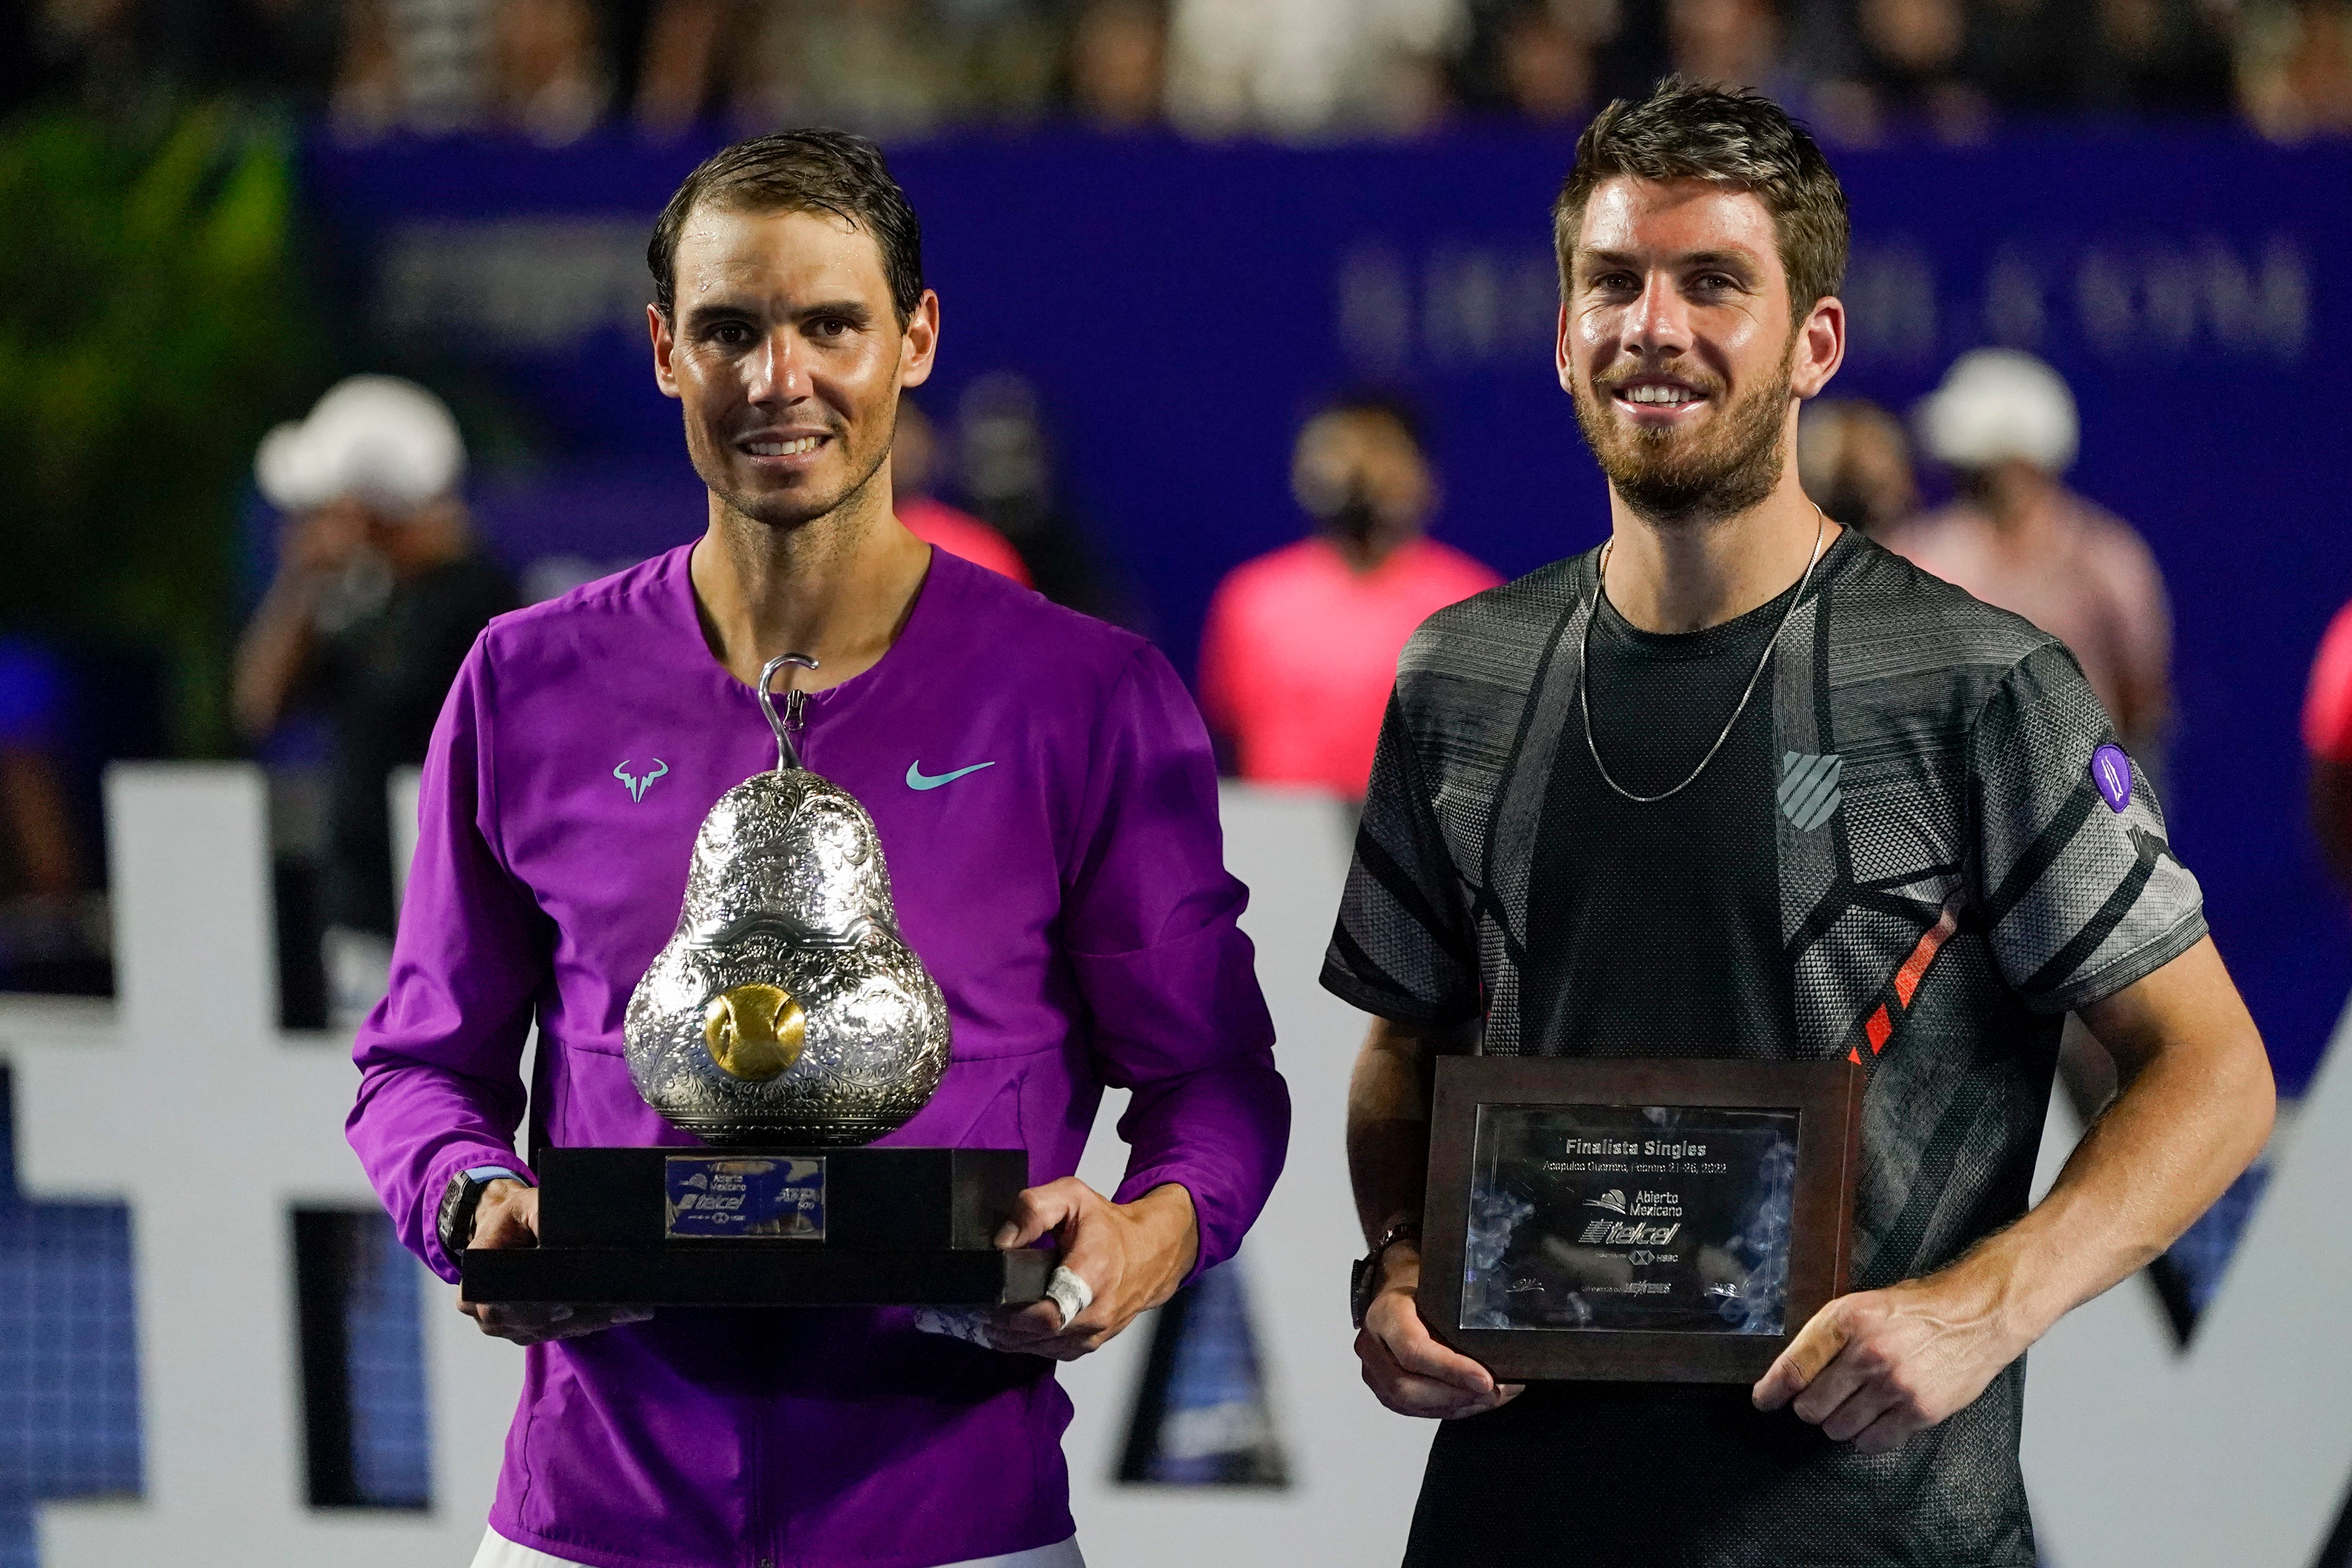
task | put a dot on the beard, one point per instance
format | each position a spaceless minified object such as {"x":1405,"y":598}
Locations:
{"x":1673,"y":475}
{"x":783,"y":511}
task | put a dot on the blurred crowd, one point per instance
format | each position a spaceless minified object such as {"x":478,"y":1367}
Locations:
{"x":1301,"y":644}
{"x":381,"y":581}
{"x":556,"y":70}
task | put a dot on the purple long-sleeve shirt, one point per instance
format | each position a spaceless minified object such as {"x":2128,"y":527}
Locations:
{"x":1069,"y":894}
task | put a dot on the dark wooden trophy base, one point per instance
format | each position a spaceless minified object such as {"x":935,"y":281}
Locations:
{"x":893,"y":1226}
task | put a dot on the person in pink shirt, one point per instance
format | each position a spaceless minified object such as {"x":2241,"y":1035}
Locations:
{"x":2328,"y":736}
{"x":1301,"y":644}
{"x":2019,"y":539}
{"x":914,"y":460}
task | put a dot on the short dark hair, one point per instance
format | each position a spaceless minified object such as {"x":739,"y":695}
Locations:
{"x":816,"y":170}
{"x":1376,"y":403}
{"x":1688,"y":130}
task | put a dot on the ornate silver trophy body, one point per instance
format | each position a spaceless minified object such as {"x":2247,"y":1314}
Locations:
{"x":787,"y":1009}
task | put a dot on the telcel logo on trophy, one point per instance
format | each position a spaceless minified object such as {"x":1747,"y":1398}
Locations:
{"x":1654,"y":1221}
{"x":787,"y":1023}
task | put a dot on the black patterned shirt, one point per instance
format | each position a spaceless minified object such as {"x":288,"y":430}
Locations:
{"x":1919,"y":849}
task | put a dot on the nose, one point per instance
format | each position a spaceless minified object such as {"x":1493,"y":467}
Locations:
{"x":774,"y":371}
{"x":1657,"y":324}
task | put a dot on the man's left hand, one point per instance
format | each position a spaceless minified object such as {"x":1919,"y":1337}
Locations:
{"x":1131,"y":1255}
{"x":1878,"y":1365}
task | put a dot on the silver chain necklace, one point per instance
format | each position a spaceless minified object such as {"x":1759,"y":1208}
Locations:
{"x":1584,"y":670}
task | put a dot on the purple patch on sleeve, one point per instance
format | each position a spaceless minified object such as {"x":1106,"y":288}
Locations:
{"x":2111,"y":770}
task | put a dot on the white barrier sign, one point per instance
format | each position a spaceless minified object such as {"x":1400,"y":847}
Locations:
{"x":186,"y":1102}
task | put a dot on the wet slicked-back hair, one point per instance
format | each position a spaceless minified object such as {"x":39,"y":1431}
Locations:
{"x":814,"y":171}
{"x":1686,"y":131}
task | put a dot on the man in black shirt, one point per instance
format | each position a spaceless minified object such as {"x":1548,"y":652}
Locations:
{"x":380,"y":590}
{"x":1742,"y":784}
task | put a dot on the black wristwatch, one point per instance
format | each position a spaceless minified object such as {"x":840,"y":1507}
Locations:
{"x":458,"y":1201}
{"x":1364,"y":1280}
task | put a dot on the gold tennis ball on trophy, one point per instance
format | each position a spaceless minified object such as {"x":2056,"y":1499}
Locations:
{"x":754,"y":1032}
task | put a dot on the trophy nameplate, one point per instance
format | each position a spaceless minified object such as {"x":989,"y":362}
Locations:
{"x":1652,"y":1221}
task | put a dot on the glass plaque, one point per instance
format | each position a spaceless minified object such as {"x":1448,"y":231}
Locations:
{"x":720,"y":1196}
{"x":1666,"y":1219}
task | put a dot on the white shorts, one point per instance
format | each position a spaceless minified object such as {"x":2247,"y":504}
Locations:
{"x":498,"y":1552}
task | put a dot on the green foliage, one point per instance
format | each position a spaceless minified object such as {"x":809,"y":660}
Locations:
{"x":151,"y":331}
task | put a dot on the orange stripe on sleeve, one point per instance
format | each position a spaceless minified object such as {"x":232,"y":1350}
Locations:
{"x":1915,"y":968}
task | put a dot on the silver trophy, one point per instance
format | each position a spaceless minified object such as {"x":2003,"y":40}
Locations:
{"x":787,"y":1009}
{"x":788,"y":1023}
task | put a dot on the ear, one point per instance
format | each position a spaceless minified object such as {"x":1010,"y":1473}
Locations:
{"x":919,"y":344}
{"x":1820,"y":348}
{"x":1560,"y":362}
{"x":657,"y":325}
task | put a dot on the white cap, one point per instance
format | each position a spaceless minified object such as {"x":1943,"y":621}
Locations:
{"x":377,"y":439}
{"x":1997,"y":404}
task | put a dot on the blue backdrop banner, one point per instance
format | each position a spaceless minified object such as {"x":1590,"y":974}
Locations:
{"x":1178,"y":308}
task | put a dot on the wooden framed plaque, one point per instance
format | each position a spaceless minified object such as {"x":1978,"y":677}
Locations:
{"x":1657,"y":1220}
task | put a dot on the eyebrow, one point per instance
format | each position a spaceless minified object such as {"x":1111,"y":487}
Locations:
{"x":711,"y":310}
{"x":856,"y":310}
{"x":1735,"y":259}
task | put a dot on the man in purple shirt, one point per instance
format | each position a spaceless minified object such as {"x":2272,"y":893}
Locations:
{"x":1045,"y":793}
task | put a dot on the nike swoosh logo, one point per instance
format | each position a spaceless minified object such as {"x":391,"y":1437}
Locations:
{"x":917,"y":780}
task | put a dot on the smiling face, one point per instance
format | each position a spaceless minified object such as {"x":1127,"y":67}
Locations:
{"x":788,"y":358}
{"x":1678,"y":348}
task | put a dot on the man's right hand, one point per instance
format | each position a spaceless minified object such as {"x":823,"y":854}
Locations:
{"x":508,"y":1217}
{"x":1405,"y":1365}
{"x":323,"y":540}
